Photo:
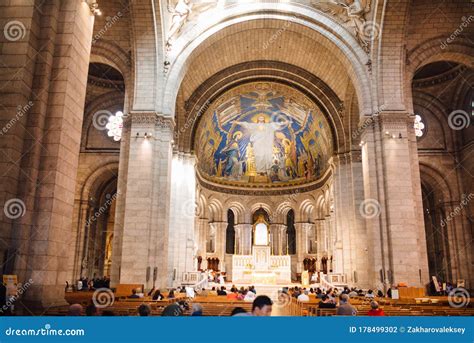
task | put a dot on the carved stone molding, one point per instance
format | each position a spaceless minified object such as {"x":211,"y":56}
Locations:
{"x":150,"y":118}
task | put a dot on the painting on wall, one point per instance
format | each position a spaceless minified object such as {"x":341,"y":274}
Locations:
{"x":265,"y":133}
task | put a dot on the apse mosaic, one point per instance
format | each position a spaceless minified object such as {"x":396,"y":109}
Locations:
{"x":263,"y":133}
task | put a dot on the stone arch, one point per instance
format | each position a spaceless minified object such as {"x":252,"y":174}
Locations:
{"x":259,"y":204}
{"x":431,"y":175}
{"x":241,"y":215}
{"x":330,"y":104}
{"x":459,"y":51}
{"x":216,"y":211}
{"x":438,"y":111}
{"x":340,"y":41}
{"x":306,"y":210}
{"x":107,"y":52}
{"x":110,"y":100}
{"x":282,"y":210}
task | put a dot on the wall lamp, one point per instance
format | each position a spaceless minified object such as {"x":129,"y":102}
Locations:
{"x":146,"y":135}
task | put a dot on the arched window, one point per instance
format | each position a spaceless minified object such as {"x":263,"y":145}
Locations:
{"x":230,"y":233}
{"x":291,"y":232}
{"x":419,"y":126}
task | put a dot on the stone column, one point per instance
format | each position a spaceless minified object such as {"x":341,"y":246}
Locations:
{"x":182,"y":218}
{"x":144,"y":242}
{"x":392,"y":202}
{"x":200,"y":234}
{"x":220,"y":228}
{"x":44,"y":237}
{"x":301,"y":245}
{"x":351,"y":234}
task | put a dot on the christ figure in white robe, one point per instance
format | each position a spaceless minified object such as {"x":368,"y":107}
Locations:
{"x":262,"y":136}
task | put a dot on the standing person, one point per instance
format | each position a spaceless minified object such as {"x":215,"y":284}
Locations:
{"x":262,"y":306}
{"x":345,"y":308}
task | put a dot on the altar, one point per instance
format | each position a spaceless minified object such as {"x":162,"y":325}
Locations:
{"x":261,"y":267}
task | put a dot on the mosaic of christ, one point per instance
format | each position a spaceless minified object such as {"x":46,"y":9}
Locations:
{"x":263,"y":133}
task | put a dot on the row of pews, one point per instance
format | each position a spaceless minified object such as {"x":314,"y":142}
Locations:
{"x":400,"y":307}
{"x":221,"y":306}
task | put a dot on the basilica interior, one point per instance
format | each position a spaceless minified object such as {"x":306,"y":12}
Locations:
{"x":150,"y":141}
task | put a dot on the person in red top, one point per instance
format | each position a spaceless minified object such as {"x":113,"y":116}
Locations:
{"x":233,"y":295}
{"x":375,"y":311}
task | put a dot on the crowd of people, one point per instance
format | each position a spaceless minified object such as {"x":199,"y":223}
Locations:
{"x":261,"y":304}
{"x":85,"y":284}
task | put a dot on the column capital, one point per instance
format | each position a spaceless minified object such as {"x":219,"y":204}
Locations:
{"x":149,"y":118}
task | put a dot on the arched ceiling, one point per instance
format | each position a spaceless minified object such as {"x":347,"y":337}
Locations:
{"x":275,"y":40}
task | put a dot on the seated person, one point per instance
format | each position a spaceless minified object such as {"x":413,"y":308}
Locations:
{"x":213,"y":291}
{"x":134,"y":294}
{"x":326,"y":302}
{"x":345,"y":308}
{"x":370,"y":294}
{"x":303,"y":297}
{"x":250,"y":296}
{"x":353,"y":293}
{"x":239,"y":312}
{"x":222,"y":291}
{"x":157,"y":295}
{"x":375,"y":310}
{"x":144,"y":310}
{"x":171,"y":294}
{"x":233,"y":295}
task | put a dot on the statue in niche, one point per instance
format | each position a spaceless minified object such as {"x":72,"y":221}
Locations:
{"x":352,"y":13}
{"x":183,"y":11}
